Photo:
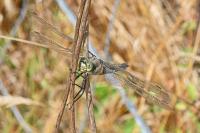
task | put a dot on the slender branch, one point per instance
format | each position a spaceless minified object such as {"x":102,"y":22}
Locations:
{"x":78,"y":42}
{"x":89,"y":93}
{"x":90,"y":106}
{"x":72,"y":18}
{"x":84,"y":120}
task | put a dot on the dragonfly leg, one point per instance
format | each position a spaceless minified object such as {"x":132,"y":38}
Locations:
{"x":78,"y":95}
{"x":78,"y":75}
{"x":92,"y":54}
{"x":77,"y":85}
{"x":80,"y":92}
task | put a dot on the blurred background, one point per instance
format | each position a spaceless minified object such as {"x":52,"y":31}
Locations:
{"x":156,"y":38}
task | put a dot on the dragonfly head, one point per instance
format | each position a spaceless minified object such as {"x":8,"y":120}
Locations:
{"x":85,"y":65}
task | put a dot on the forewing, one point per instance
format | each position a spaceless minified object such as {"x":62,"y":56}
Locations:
{"x":152,"y":92}
{"x":44,"y":41}
{"x":46,"y":29}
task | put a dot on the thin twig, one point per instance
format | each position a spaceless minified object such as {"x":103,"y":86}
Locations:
{"x":78,"y":39}
{"x":90,"y":106}
{"x":72,"y":67}
{"x":84,"y":121}
{"x":89,"y":93}
{"x":15,"y":111}
{"x":72,"y":18}
{"x":78,"y":42}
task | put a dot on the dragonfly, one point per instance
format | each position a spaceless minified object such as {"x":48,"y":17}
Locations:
{"x":54,"y":39}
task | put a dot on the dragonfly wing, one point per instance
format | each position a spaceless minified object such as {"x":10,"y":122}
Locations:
{"x":48,"y":43}
{"x":42,"y":26}
{"x":153,"y":93}
{"x":52,"y":35}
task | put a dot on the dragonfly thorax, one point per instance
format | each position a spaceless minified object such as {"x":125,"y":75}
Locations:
{"x":85,"y":65}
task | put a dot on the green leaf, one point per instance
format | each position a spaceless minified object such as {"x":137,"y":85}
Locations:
{"x":44,"y":84}
{"x":178,"y":130}
{"x":181,"y":106}
{"x":128,"y":126}
{"x":162,"y":128}
{"x":9,"y":62}
{"x":188,"y":26}
{"x":192,"y":91}
{"x":187,"y":50}
{"x":32,"y":68}
{"x":2,"y":42}
{"x":198,"y":127}
{"x":103,"y":91}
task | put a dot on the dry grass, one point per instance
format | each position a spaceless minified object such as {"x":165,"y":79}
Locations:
{"x":156,"y":38}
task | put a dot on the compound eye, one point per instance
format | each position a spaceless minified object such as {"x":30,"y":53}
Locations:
{"x":83,"y":64}
{"x":84,"y":61}
{"x":90,"y":67}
